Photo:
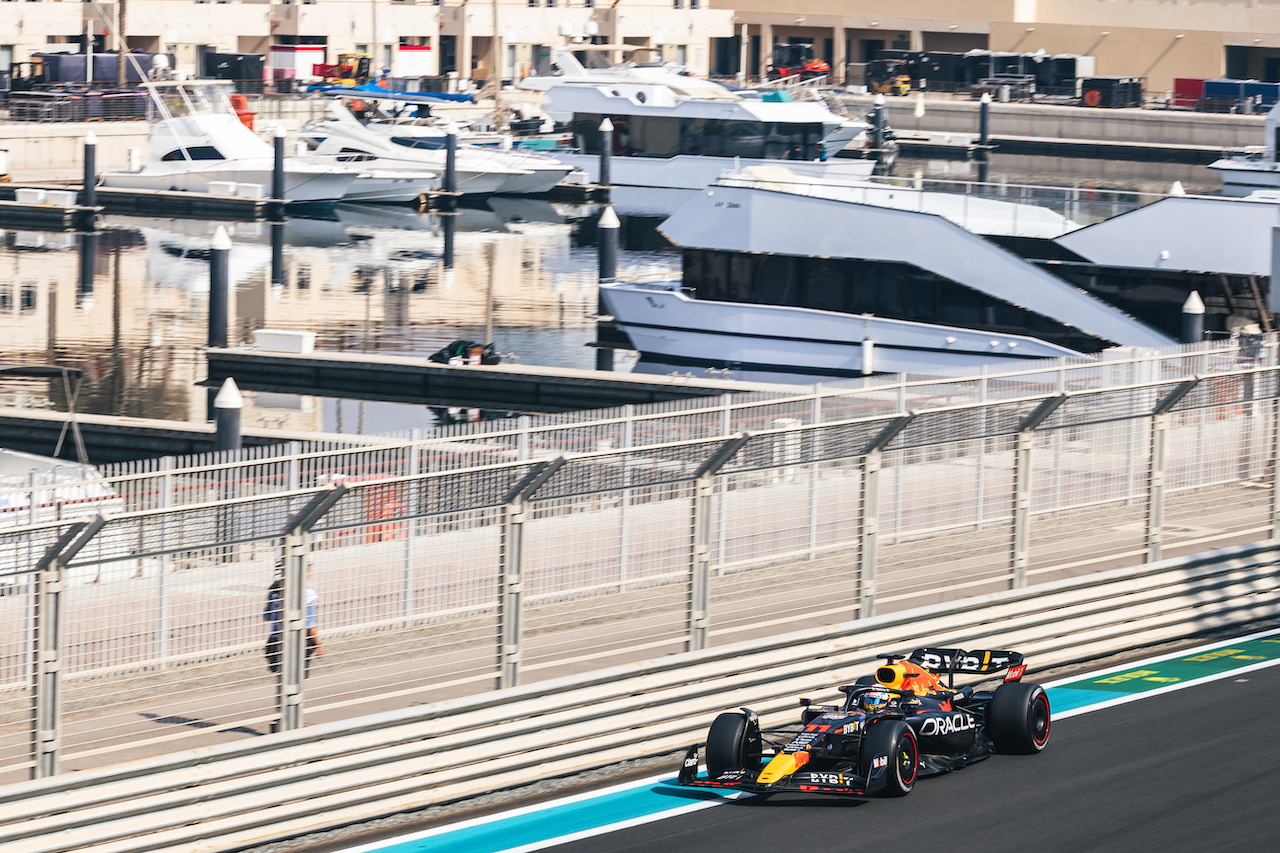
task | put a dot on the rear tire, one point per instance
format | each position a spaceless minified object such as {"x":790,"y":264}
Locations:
{"x":895,"y":739}
{"x":1018,"y":718}
{"x":729,"y":745}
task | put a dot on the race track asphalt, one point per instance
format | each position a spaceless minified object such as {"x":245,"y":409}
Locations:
{"x":1193,"y":771}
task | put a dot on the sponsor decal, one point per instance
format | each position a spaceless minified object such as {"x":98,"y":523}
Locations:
{"x":1016,"y":672}
{"x":879,"y":761}
{"x":729,"y":776}
{"x":968,"y":662}
{"x":691,"y":761}
{"x":826,"y":778}
{"x":948,"y":725}
{"x":850,"y":728}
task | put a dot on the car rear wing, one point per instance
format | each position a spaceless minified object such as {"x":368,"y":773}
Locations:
{"x":977,"y":662}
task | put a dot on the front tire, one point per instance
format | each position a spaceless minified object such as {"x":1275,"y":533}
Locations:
{"x":895,"y":739}
{"x":730,"y":745}
{"x":1018,"y":718}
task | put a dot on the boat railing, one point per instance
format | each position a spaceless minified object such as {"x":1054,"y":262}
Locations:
{"x":1074,"y":206}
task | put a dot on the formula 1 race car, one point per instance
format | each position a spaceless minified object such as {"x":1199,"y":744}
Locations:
{"x":892,"y":728}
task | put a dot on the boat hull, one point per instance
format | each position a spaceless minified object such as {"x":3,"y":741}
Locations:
{"x":300,"y":185}
{"x":665,"y":323}
{"x":391,"y":188}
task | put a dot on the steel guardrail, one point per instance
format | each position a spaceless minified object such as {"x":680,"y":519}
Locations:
{"x":236,"y":795}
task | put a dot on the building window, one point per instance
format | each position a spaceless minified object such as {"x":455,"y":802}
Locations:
{"x":551,"y":4}
{"x":679,"y":4}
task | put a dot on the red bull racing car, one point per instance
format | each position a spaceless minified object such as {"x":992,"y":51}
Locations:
{"x":893,"y":727}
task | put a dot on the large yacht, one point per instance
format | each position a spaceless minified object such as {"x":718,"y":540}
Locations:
{"x":675,"y":131}
{"x":822,"y":279}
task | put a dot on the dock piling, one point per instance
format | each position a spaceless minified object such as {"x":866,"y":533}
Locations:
{"x":607,"y":258}
{"x":219,"y":287}
{"x":1193,"y":319}
{"x":451,"y":159}
{"x":89,"y":185}
{"x":277,"y":165}
{"x":606,"y":152}
{"x":227,"y":406}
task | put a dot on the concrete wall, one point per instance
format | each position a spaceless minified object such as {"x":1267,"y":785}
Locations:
{"x":46,"y":151}
{"x":1156,"y":126}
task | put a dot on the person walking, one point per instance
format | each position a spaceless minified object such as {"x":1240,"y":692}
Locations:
{"x":273,"y":613}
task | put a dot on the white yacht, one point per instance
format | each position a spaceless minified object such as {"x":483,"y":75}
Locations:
{"x":671,"y":130}
{"x":787,"y":276}
{"x":480,"y":171}
{"x":196,"y":140}
{"x":1258,"y":170}
{"x":494,"y":146}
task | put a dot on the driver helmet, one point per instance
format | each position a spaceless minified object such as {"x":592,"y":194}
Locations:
{"x":873,"y":700}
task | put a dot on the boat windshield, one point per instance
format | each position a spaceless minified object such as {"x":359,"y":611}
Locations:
{"x":191,"y":98}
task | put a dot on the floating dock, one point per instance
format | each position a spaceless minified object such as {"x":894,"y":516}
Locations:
{"x":109,"y":438}
{"x":506,"y":387}
{"x":60,"y":211}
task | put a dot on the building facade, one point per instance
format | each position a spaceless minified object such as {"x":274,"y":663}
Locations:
{"x":1133,"y":38}
{"x":410,"y":38}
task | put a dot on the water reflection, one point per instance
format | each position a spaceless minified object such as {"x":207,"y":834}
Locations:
{"x":129,"y":304}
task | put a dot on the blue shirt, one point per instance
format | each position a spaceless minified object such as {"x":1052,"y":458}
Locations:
{"x":272,"y":612}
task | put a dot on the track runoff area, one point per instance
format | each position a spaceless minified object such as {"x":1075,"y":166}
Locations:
{"x":658,"y":798}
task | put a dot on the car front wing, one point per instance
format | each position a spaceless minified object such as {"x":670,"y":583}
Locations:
{"x":814,"y":782}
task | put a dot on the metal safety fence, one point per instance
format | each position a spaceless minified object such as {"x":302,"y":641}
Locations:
{"x":134,"y":616}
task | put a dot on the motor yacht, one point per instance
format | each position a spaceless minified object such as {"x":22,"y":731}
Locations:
{"x":672,"y":130}
{"x":196,"y":140}
{"x":480,"y":171}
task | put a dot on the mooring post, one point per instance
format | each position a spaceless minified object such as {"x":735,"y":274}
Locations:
{"x":219,"y":287}
{"x":877,"y":126}
{"x":89,"y":185}
{"x":606,"y":152}
{"x":1193,"y":319}
{"x":607,"y":252}
{"x":227,"y":406}
{"x":984,"y":118}
{"x":277,"y":166}
{"x":451,"y":159}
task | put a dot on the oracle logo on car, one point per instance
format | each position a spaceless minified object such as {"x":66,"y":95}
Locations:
{"x":948,"y":725}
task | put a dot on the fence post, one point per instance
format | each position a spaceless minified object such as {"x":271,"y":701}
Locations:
{"x":869,"y":539}
{"x":1155,"y":486}
{"x":48,"y":622}
{"x":510,"y":605}
{"x":704,"y":486}
{"x":1020,"y":554}
{"x":1275,"y":468}
{"x":511,"y":594}
{"x":293,"y":616}
{"x":869,"y":536}
{"x":1020,"y":540}
{"x":1159,"y":440}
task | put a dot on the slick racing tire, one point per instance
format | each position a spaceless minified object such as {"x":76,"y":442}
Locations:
{"x":895,"y":739}
{"x":1018,"y":718}
{"x":729,"y":745}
